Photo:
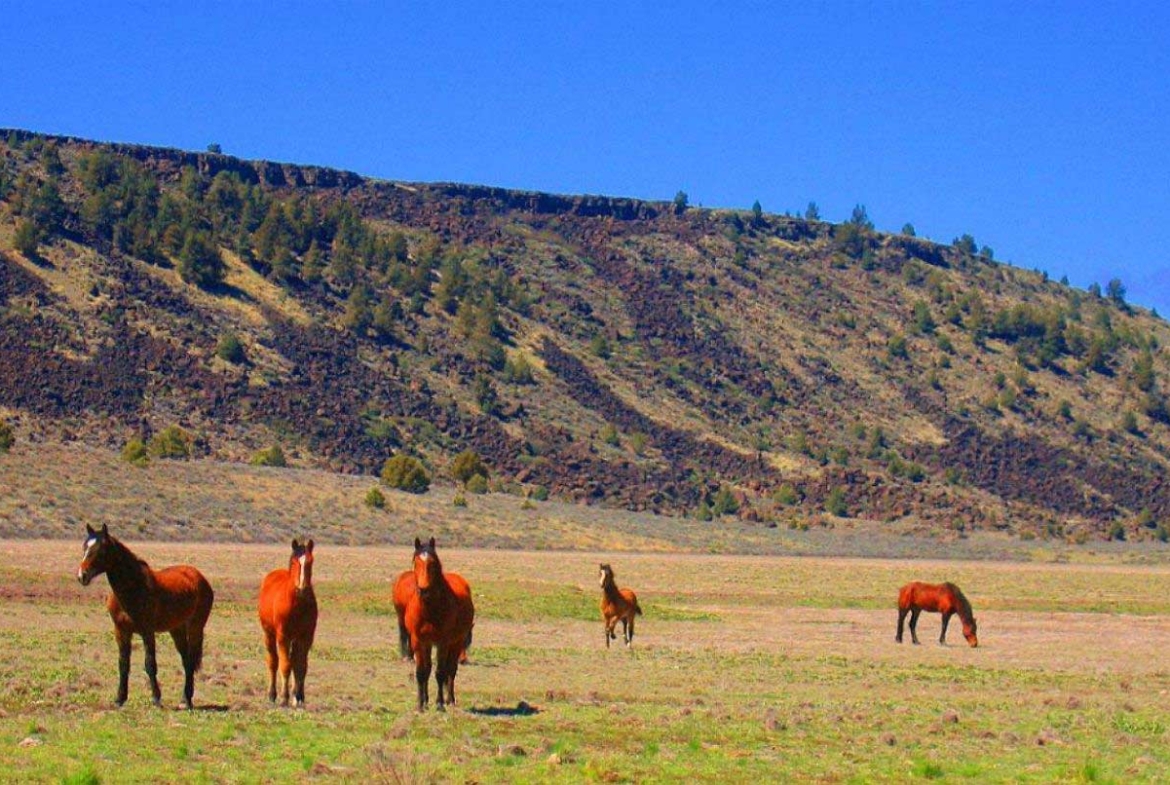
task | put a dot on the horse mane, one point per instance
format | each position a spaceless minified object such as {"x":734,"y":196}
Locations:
{"x":965,"y":612}
{"x":124,"y":553}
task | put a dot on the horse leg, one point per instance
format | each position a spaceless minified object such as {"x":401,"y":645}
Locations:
{"x":452,"y":669}
{"x":271,"y":660}
{"x":630,"y":637}
{"x":901,"y":620}
{"x":285,"y":663}
{"x":152,"y":667}
{"x":942,"y":639}
{"x":124,"y":636}
{"x":626,"y":631}
{"x":300,"y":669}
{"x":403,"y":641}
{"x":610,"y":623}
{"x":442,"y":673}
{"x":183,"y":645}
{"x":914,"y":624}
{"x":422,"y":672}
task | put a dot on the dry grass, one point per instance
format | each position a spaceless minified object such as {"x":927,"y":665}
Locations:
{"x":744,"y":668}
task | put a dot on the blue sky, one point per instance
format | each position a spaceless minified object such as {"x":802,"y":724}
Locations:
{"x":1042,"y":129}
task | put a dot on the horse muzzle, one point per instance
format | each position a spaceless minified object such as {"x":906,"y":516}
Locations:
{"x":84,"y":576}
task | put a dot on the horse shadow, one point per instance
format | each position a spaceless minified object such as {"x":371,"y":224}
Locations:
{"x":521,"y":709}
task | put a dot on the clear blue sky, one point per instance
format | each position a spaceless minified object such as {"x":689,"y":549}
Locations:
{"x":1043,"y":129}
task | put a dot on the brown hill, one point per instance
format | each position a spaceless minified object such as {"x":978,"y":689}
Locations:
{"x":608,"y":350}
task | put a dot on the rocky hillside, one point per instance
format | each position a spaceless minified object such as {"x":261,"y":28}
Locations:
{"x":613,"y":351}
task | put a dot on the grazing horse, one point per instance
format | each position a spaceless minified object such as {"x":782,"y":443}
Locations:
{"x":288,"y":616}
{"x":944,"y":598}
{"x":144,"y":601}
{"x":617,"y":604}
{"x":439,"y":613}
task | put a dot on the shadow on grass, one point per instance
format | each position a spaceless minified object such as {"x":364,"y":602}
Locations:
{"x":213,"y":707}
{"x":521,"y":709}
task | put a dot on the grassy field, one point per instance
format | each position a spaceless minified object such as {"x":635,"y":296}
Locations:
{"x":745,"y":668}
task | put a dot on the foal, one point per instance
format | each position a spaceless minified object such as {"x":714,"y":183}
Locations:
{"x":288,"y":616}
{"x":144,"y":602}
{"x":617,"y":604}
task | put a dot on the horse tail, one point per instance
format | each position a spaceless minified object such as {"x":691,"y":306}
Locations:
{"x":637,"y":608}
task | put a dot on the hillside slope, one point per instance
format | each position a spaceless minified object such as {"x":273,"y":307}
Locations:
{"x":609,"y":350}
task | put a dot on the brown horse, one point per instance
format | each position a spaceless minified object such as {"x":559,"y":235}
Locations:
{"x":144,"y":601}
{"x":617,"y":604}
{"x":439,"y":613}
{"x":288,"y":616}
{"x":404,"y":589}
{"x":944,"y":598}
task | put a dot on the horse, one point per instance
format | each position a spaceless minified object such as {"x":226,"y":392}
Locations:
{"x":288,"y":616}
{"x":404,"y":588}
{"x":439,"y":613}
{"x":944,"y":598}
{"x":617,"y":604}
{"x":144,"y":601}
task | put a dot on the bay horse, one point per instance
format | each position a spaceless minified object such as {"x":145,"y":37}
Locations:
{"x":143,"y":601}
{"x":288,"y":616}
{"x":404,"y":588}
{"x":439,"y":613}
{"x":617,"y":604}
{"x":944,"y":598}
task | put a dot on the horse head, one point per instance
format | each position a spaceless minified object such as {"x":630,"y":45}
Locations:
{"x":302,"y":558}
{"x":969,"y":632}
{"x":604,"y":574}
{"x":428,"y":570}
{"x":95,"y":552}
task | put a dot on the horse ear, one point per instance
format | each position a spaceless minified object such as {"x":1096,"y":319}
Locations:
{"x":89,"y":529}
{"x":105,"y":530}
{"x":417,"y":544}
{"x":309,"y":546}
{"x":295,"y":544}
{"x":432,"y":543}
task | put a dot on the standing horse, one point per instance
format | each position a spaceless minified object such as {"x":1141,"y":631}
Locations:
{"x":617,"y":604}
{"x":288,"y":616}
{"x":438,"y":613}
{"x":944,"y":598}
{"x":404,"y":588}
{"x":144,"y":602}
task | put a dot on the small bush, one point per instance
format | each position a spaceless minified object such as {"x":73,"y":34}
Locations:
{"x":7,"y":437}
{"x":375,"y":498}
{"x":703,"y":512}
{"x":540,"y":493}
{"x":26,"y":239}
{"x":609,"y":435}
{"x":406,"y":474}
{"x":466,"y":465}
{"x":477,"y":484}
{"x":786,"y":495}
{"x":460,"y":499}
{"x":230,"y":349}
{"x":724,"y":502}
{"x":835,"y":503}
{"x":172,"y":442}
{"x":273,"y":456}
{"x":134,"y":452}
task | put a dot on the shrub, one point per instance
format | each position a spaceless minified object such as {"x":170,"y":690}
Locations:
{"x":7,"y":437}
{"x":518,"y":370}
{"x":230,"y":349}
{"x":406,"y":474}
{"x":638,"y":443}
{"x":134,"y":452}
{"x":375,"y":498}
{"x":1129,"y":422}
{"x":1117,"y":531}
{"x":26,"y":239}
{"x":724,"y":502}
{"x":786,"y":495}
{"x":273,"y":456}
{"x":835,"y":503}
{"x":703,"y":512}
{"x":896,"y":347}
{"x":460,"y":499}
{"x":466,"y":465}
{"x":477,"y":484}
{"x":681,"y":202}
{"x":600,"y":347}
{"x":609,"y":435}
{"x":540,"y":493}
{"x":171,"y":442}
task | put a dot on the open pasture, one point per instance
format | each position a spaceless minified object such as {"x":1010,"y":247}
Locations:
{"x":744,"y":668}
